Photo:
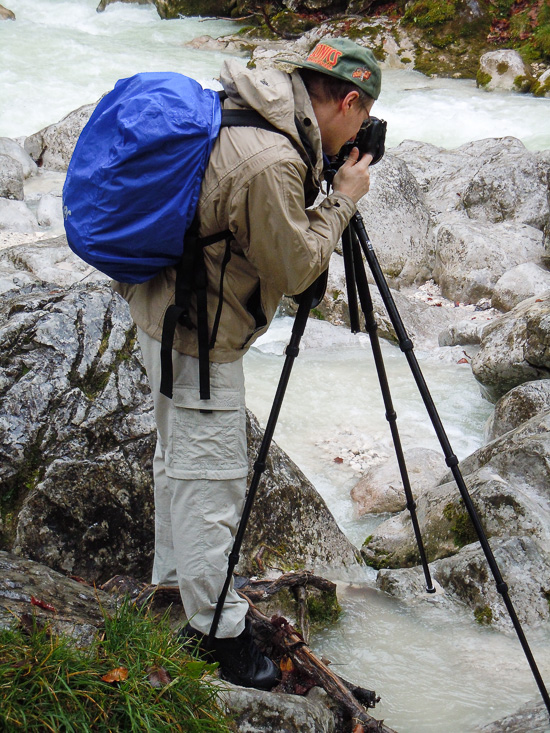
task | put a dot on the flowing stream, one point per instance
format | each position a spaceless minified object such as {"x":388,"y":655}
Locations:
{"x":435,"y":668}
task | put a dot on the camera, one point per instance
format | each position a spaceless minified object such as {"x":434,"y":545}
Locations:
{"x":370,"y":139}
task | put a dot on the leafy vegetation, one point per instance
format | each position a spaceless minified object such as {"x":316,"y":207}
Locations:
{"x":136,"y":677}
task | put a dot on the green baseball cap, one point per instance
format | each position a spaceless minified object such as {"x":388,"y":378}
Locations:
{"x":345,"y":60}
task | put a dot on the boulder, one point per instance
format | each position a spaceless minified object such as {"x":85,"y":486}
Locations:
{"x":514,"y":348}
{"x":77,"y":436}
{"x":52,"y":147}
{"x":504,"y":70}
{"x":6,"y":14}
{"x":508,"y":482}
{"x":49,"y":212}
{"x":466,"y":267}
{"x":11,"y":178}
{"x":493,"y":180}
{"x":14,"y":150}
{"x":77,"y":612}
{"x":381,"y":489}
{"x":524,"y":281}
{"x":517,"y":406}
{"x":401,"y":240}
{"x":47,"y":260}
{"x":542,"y":86}
{"x":464,"y":332}
{"x":467,"y":577}
{"x":15,"y":216}
{"x":531,"y":717}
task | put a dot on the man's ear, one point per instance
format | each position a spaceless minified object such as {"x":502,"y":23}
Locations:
{"x":348,"y":102}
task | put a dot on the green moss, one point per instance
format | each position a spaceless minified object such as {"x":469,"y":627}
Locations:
{"x":523,"y":83}
{"x":461,"y":527}
{"x":316,"y":313}
{"x":483,"y":615}
{"x":429,"y":13}
{"x":323,"y":609}
{"x":406,"y":60}
{"x":502,"y":67}
{"x":483,"y":79}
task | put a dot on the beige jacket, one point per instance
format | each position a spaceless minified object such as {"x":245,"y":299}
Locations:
{"x":254,"y":186}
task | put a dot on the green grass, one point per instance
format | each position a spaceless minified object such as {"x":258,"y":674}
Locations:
{"x":46,"y":684}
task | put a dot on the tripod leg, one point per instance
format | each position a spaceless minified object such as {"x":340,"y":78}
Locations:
{"x":391,"y":415}
{"x":450,"y":458}
{"x":292,"y":350}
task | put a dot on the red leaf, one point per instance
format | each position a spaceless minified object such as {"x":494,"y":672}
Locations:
{"x":42,"y":604}
{"x":338,"y":460}
{"x":463,"y":361}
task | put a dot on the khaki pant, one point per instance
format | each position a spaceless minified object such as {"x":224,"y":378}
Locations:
{"x":200,"y":470}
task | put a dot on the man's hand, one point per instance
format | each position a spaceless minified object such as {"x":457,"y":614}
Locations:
{"x":353,"y":178}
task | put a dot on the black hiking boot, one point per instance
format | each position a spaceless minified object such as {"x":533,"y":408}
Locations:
{"x":241,"y":661}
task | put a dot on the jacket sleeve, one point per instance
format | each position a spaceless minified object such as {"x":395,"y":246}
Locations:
{"x":286,"y":243}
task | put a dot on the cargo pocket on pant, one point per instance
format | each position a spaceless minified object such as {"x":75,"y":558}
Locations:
{"x":207,"y":445}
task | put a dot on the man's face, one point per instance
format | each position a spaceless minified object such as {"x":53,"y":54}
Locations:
{"x":343,"y":124}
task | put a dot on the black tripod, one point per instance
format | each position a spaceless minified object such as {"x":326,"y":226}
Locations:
{"x":356,"y":243}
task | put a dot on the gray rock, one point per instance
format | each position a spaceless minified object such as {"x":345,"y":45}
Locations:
{"x":493,"y":180}
{"x":48,"y":260}
{"x":11,"y":178}
{"x":504,"y":69}
{"x":517,"y":406}
{"x":524,"y":281}
{"x":401,"y":241}
{"x":530,"y":718}
{"x":467,"y":577}
{"x":77,"y":613}
{"x":508,"y":482}
{"x":14,"y":150}
{"x":15,"y":216}
{"x":462,"y":333}
{"x":514,"y":348}
{"x":52,"y":147}
{"x":258,"y":712}
{"x":466,"y":267}
{"x":50,"y":211}
{"x":77,"y":436}
{"x":381,"y":489}
{"x":509,"y":183}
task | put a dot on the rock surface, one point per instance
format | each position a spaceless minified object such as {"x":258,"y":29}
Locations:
{"x":505,"y":70}
{"x":77,"y":436}
{"x":515,"y":348}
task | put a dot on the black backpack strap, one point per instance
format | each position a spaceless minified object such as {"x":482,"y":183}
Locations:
{"x":190,"y":279}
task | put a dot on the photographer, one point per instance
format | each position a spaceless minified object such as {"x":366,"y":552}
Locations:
{"x":258,"y":186}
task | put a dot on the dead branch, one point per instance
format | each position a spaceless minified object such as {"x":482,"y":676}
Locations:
{"x":279,"y":633}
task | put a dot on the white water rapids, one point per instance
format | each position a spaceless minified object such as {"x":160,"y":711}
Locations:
{"x":436,"y":670}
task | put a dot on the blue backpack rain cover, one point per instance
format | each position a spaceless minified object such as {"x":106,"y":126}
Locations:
{"x":134,"y":179}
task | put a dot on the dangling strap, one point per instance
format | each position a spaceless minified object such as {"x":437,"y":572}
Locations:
{"x":190,"y":278}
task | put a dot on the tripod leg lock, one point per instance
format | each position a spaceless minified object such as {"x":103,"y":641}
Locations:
{"x":451,"y":461}
{"x":406,"y":345}
{"x":292,"y":351}
{"x":260,"y":466}
{"x":502,"y":588}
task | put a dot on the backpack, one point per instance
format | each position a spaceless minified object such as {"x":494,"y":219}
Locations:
{"x":132,"y":189}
